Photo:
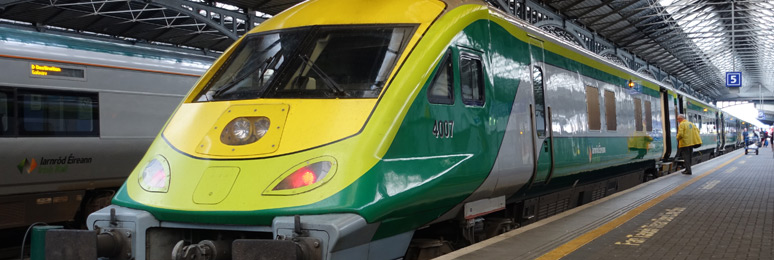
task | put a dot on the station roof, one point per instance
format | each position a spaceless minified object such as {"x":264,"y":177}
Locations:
{"x":193,"y":23}
{"x":697,"y":41}
{"x":694,"y":41}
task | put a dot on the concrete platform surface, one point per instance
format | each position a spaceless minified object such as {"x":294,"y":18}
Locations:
{"x":724,"y":211}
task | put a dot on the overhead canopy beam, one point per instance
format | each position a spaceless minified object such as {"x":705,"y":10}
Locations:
{"x":231,"y":32}
{"x":6,"y":3}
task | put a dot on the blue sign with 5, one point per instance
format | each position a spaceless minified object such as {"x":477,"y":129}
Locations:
{"x":733,"y":79}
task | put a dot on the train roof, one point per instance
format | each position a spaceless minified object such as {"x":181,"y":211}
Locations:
{"x":33,"y":45}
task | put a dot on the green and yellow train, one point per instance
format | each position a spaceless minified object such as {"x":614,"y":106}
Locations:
{"x":345,"y":129}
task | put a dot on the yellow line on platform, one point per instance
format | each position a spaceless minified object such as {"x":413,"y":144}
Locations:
{"x":584,"y":239}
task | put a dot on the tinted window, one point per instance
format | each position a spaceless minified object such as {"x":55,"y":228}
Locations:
{"x":592,"y":107}
{"x":6,"y":112}
{"x":698,"y":121}
{"x":637,"y":114}
{"x":58,"y":113}
{"x":471,"y":80}
{"x":310,"y":62}
{"x":610,"y":116}
{"x":648,"y":117}
{"x":441,"y":90}
{"x":540,"y":104}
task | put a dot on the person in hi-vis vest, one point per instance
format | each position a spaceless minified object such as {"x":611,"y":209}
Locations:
{"x":687,"y":139}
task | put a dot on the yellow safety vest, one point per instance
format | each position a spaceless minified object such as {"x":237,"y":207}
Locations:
{"x":688,"y":134}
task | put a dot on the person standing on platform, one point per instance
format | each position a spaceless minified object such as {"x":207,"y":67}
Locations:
{"x":771,"y":139}
{"x":687,"y":139}
{"x":746,"y":137}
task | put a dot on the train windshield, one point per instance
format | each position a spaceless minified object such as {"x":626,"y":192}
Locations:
{"x":311,"y":62}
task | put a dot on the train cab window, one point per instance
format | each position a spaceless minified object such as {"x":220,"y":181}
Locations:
{"x":637,"y":114}
{"x":6,"y":113}
{"x":318,"y":62}
{"x":610,"y":116}
{"x":648,"y":117}
{"x":471,"y":79}
{"x":441,"y":90}
{"x":57,"y":113}
{"x":540,"y":102}
{"x":592,"y":108}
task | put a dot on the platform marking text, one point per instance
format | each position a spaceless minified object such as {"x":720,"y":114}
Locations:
{"x":710,"y":185}
{"x":647,"y":231}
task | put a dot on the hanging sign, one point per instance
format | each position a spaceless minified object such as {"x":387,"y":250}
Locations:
{"x":734,"y":79}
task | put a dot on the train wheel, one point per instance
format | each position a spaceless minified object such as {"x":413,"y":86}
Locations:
{"x":496,"y":226}
{"x":423,"y":249}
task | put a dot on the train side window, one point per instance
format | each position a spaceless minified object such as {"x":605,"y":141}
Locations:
{"x":648,"y":117}
{"x":540,"y":101}
{"x":637,"y":114}
{"x":698,"y":122}
{"x":441,"y":89}
{"x":46,"y":113}
{"x":610,"y":116}
{"x":6,"y":113}
{"x":592,"y":108}
{"x":471,"y":79}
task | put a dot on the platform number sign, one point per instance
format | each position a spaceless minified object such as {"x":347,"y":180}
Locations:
{"x":733,"y":79}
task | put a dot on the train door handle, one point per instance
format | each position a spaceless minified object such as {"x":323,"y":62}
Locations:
{"x":545,"y":145}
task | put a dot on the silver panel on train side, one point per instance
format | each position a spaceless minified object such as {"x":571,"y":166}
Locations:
{"x":67,"y":163}
{"x":513,"y":165}
{"x":672,"y":112}
{"x":566,"y":95}
{"x":133,"y":106}
{"x":37,"y":45}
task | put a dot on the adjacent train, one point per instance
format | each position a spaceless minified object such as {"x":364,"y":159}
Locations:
{"x":348,"y":129}
{"x":76,"y":116}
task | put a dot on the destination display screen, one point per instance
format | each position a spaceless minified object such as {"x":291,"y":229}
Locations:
{"x":55,"y":71}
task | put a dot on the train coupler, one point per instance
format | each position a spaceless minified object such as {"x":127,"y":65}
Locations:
{"x":306,"y":248}
{"x":67,"y":244}
{"x":204,"y":250}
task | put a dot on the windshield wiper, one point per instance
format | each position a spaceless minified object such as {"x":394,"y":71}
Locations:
{"x":327,"y":79}
{"x":231,"y":84}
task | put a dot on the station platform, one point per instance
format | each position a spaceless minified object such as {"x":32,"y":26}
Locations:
{"x":725,"y":210}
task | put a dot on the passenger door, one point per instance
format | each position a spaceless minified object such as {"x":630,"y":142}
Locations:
{"x":541,"y":117}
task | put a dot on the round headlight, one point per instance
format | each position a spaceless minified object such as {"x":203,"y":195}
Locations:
{"x":261,"y":126}
{"x":240,"y":129}
{"x":245,"y":130}
{"x":155,"y":175}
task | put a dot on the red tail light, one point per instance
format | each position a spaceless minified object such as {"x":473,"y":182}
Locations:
{"x":302,"y":177}
{"x":305,"y":176}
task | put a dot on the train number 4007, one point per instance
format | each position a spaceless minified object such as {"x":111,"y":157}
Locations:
{"x":443,"y":129}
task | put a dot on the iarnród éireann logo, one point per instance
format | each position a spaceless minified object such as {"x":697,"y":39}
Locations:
{"x":27,"y":165}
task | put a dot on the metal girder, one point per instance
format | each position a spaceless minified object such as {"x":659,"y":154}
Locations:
{"x":5,"y":3}
{"x":565,"y":9}
{"x":616,"y":10}
{"x":594,"y":8}
{"x":623,"y":17}
{"x":179,"y":22}
{"x":180,"y":6}
{"x":502,"y":5}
